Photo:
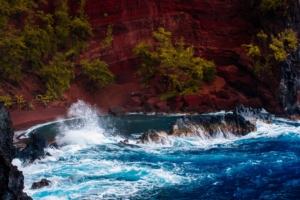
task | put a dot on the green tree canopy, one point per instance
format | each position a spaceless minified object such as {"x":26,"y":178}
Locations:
{"x":182,"y":72}
{"x":98,"y":72}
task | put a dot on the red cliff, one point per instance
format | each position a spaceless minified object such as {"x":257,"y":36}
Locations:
{"x":216,"y":29}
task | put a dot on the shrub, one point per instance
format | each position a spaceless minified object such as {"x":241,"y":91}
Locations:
{"x":98,"y":72}
{"x":284,"y":42}
{"x":57,"y":75}
{"x":107,"y":41}
{"x":182,"y":72}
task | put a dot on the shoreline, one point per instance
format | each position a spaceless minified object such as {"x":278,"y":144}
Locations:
{"x":25,"y":119}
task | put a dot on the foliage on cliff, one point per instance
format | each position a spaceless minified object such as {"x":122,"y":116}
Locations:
{"x":268,"y":50}
{"x":182,"y":72}
{"x":45,"y":42}
{"x":98,"y":72}
{"x":266,"y":5}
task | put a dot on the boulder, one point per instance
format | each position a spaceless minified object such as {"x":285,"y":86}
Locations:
{"x":223,"y":94}
{"x":192,"y":99}
{"x":135,"y":101}
{"x":153,"y":136}
{"x":116,"y":111}
{"x":210,"y":126}
{"x":176,"y":106}
{"x":177,"y":98}
{"x":162,"y":106}
{"x":253,"y":115}
{"x":42,"y":183}
{"x":34,"y":148}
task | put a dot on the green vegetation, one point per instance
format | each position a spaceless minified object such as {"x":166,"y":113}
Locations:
{"x":7,"y":100}
{"x":181,"y":72}
{"x":57,"y":75}
{"x":107,"y":41}
{"x":98,"y":72}
{"x":269,"y":50}
{"x":47,"y":42}
{"x":44,"y":99}
{"x":283,"y":43}
{"x":272,"y":4}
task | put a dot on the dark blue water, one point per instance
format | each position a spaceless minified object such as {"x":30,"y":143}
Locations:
{"x":90,"y":163}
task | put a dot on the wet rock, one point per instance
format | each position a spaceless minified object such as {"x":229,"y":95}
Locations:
{"x":116,"y":111}
{"x":34,"y":148}
{"x":153,"y":136}
{"x":210,"y":126}
{"x":289,"y":87}
{"x":42,"y":183}
{"x":11,"y":179}
{"x":253,"y":115}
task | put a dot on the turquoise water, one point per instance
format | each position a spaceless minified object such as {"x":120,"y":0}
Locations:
{"x":90,"y":164}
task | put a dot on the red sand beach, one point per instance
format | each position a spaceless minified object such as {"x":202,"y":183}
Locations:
{"x":25,"y":119}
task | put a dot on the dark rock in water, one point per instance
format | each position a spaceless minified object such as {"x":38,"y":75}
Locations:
{"x":44,"y":182}
{"x":253,"y":115}
{"x":124,"y":142}
{"x":116,"y":111}
{"x":210,"y":126}
{"x":152,"y":136}
{"x":11,"y":179}
{"x":34,"y":148}
{"x":204,"y":127}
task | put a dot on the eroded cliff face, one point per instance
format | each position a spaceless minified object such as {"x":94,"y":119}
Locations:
{"x":216,"y":29}
{"x":11,"y":179}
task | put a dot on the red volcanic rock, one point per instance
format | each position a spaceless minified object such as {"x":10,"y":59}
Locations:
{"x":216,"y":30}
{"x":178,"y":98}
{"x":204,"y":109}
{"x":162,"y":106}
{"x":223,"y":94}
{"x":226,"y":104}
{"x":136,"y":109}
{"x":152,"y":101}
{"x":207,"y":101}
{"x":192,"y":108}
{"x":149,"y":105}
{"x":134,"y":101}
{"x":192,"y":99}
{"x":176,"y":106}
{"x":116,"y":111}
{"x":254,"y":103}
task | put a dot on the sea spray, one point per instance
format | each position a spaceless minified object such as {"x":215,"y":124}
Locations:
{"x":262,"y":164}
{"x":84,"y":129}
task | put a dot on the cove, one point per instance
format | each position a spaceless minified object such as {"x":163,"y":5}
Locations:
{"x":90,"y":163}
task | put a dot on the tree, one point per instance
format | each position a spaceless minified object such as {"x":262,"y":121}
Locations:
{"x":57,"y":75}
{"x":182,"y":72}
{"x":11,"y":55}
{"x":98,"y":72}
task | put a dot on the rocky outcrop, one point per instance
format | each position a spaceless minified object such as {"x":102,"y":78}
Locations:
{"x":11,"y":179}
{"x":252,"y":115}
{"x":153,"y":136}
{"x":42,"y":183}
{"x":211,"y":126}
{"x":34,"y":148}
{"x":204,"y":127}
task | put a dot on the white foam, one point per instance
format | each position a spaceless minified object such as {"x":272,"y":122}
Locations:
{"x":85,"y":130}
